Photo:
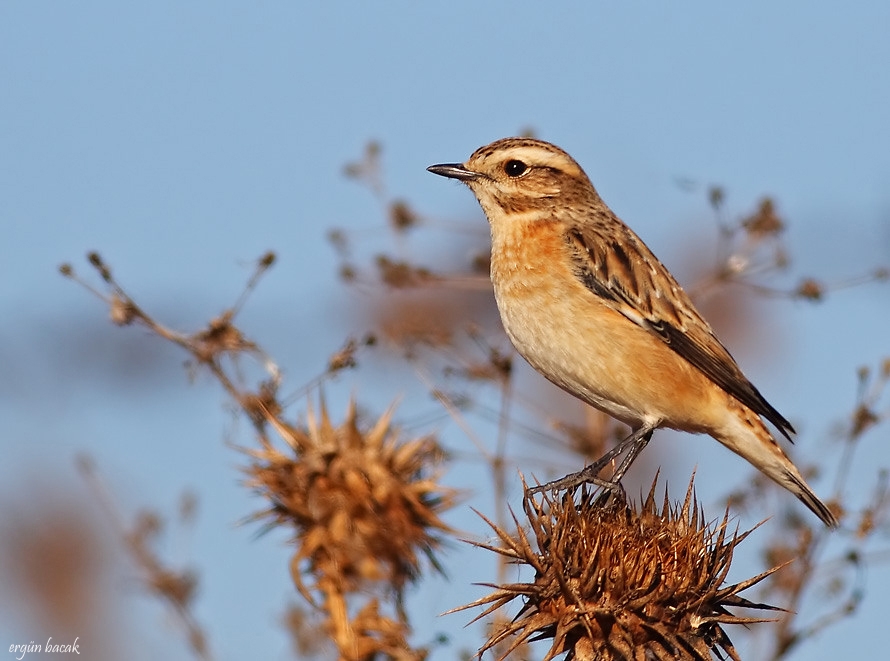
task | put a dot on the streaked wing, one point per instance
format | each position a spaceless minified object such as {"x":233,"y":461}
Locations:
{"x":624,"y":272}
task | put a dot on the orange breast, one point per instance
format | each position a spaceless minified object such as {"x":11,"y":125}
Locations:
{"x":581,"y":343}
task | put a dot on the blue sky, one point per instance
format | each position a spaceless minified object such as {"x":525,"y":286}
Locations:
{"x":182,"y":140}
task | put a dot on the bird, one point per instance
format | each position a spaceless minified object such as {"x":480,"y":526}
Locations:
{"x":590,"y":307}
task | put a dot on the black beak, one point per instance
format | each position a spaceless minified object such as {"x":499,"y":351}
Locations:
{"x":453,"y":171}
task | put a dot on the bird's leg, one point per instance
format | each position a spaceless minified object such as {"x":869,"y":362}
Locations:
{"x":633,"y":445}
{"x":636,"y":443}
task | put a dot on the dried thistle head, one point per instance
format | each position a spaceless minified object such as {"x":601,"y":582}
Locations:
{"x":765,"y":221}
{"x":364,"y":504}
{"x":616,"y":582}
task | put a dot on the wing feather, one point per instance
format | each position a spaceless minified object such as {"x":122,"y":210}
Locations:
{"x":622,"y":271}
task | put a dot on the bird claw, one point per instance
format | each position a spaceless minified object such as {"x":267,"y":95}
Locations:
{"x":633,"y":444}
{"x":586,"y":476}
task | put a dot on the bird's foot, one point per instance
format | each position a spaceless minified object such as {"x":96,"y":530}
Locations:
{"x":633,"y":444}
{"x":588,"y":475}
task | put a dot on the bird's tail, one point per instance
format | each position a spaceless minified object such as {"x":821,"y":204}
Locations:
{"x":803,"y":492}
{"x":749,"y":438}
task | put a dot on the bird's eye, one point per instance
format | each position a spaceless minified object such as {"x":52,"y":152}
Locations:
{"x":515,"y":168}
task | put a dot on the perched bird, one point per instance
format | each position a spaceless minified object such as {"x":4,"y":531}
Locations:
{"x":589,"y":306}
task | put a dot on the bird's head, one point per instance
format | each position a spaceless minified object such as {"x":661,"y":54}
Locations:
{"x":514,"y":175}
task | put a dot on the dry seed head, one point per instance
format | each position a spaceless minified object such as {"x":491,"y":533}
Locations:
{"x":221,"y":336}
{"x":765,"y":221}
{"x":399,"y":274}
{"x":401,"y":216}
{"x":810,"y":289}
{"x":261,"y":404}
{"x":364,"y":504}
{"x":616,"y":582}
{"x":122,"y":310}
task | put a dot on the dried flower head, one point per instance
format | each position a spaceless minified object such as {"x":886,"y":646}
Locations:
{"x":765,"y":221}
{"x":615,"y":582}
{"x":363,"y":503}
{"x":810,"y":289}
{"x":400,"y":274}
{"x":401,"y":216}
